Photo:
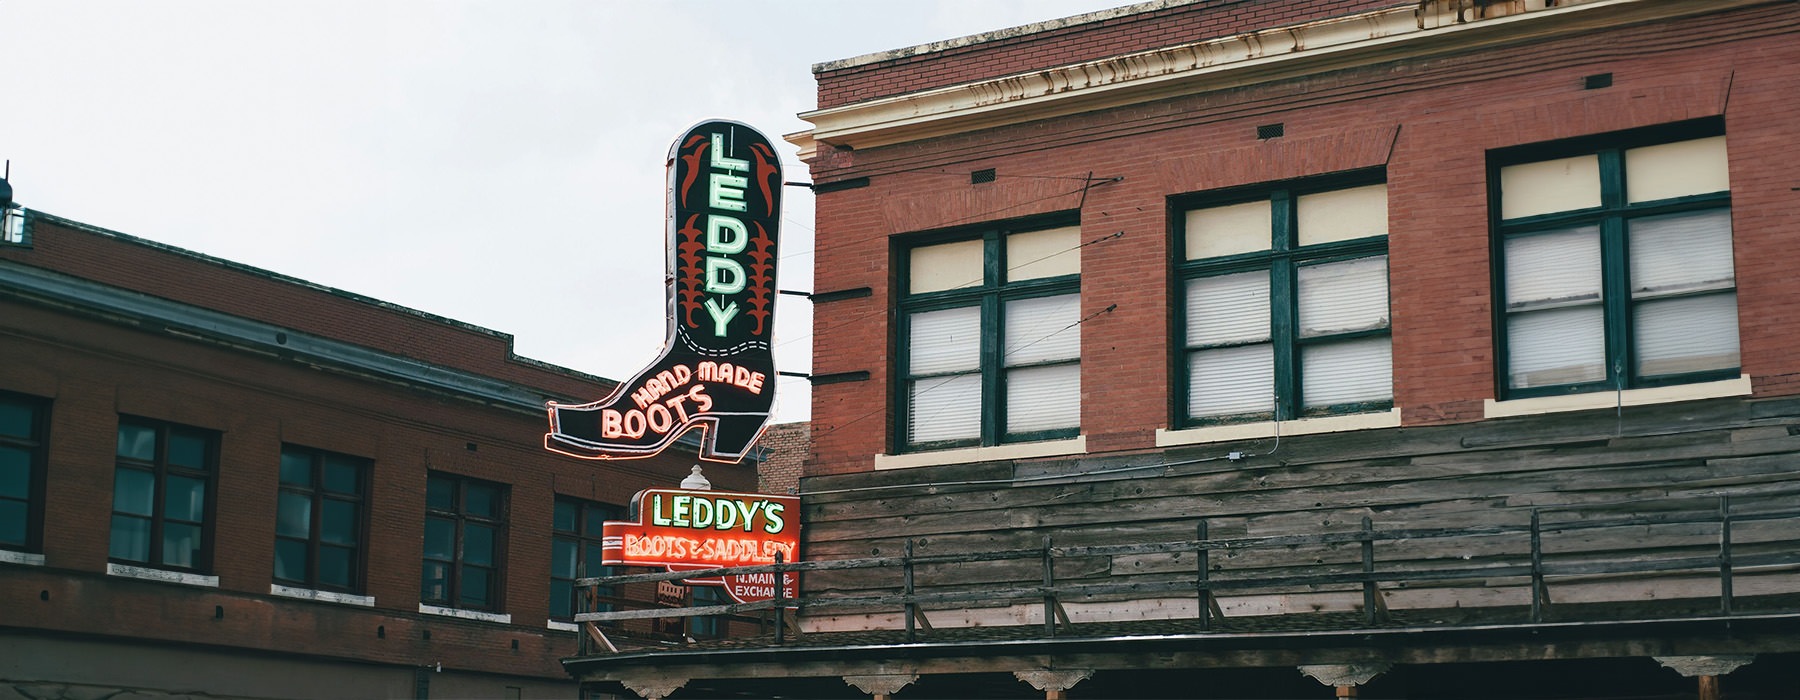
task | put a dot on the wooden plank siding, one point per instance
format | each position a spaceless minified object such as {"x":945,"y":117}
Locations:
{"x":1657,"y":463}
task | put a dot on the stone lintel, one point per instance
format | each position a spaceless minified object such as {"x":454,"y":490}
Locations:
{"x":1346,"y":675}
{"x":1716,"y":665}
{"x":1053,"y":681}
{"x":883,"y":684}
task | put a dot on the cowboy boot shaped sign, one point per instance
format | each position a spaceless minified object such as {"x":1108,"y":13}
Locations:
{"x":717,"y":369}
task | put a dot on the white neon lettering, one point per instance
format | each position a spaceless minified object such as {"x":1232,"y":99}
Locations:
{"x":725,"y":235}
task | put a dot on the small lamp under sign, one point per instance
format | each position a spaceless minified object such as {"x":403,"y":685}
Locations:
{"x":696,"y":481}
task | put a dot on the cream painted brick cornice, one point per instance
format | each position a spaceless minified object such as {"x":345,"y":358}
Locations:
{"x":1216,"y":64}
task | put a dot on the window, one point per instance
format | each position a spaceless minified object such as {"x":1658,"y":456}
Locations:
{"x":319,"y":520}
{"x":15,"y":227}
{"x":161,"y":487}
{"x":1615,"y":263}
{"x":22,"y":426}
{"x":990,"y":350}
{"x":465,"y":524}
{"x":575,"y":553}
{"x":1286,"y":302}
{"x":708,"y":626}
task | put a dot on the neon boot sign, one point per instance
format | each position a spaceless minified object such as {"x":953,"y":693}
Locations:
{"x":717,"y":369}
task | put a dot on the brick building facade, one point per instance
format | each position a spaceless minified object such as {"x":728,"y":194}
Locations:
{"x":1434,"y":348}
{"x":219,"y":480}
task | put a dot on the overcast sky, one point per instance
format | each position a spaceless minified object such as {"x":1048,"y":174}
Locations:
{"x":498,"y":163}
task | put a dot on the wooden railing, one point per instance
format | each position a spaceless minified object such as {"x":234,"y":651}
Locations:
{"x":1532,"y":565}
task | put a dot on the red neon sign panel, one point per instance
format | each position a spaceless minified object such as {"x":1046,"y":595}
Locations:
{"x":682,"y":530}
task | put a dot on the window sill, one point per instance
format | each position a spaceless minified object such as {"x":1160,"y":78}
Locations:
{"x":505,"y":619}
{"x":321,"y":596}
{"x":1022,"y":450}
{"x":1611,"y":399}
{"x":1300,"y":426}
{"x":162,"y":575}
{"x":559,"y":626}
{"x":8,"y":556}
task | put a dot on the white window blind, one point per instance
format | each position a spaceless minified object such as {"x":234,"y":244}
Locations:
{"x":1553,"y":269}
{"x":1228,"y":309}
{"x":944,"y":408}
{"x":945,"y":341}
{"x":1043,"y":330}
{"x":1681,"y":253}
{"x":1687,"y":334}
{"x":1043,"y":398}
{"x":1342,"y":297}
{"x":1556,"y":346}
{"x":1351,"y":371}
{"x":1231,"y":381}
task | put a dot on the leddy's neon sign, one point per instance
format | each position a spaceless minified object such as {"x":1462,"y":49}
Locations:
{"x":717,"y":369}
{"x":682,"y":530}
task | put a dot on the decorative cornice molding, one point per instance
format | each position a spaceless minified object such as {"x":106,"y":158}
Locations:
{"x":1436,"y":27}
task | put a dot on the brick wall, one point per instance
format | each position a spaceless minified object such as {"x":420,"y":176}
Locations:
{"x":95,"y":369}
{"x":789,"y":445}
{"x":1012,"y":53}
{"x":1429,"y":123}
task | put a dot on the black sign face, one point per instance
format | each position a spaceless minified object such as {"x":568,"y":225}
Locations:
{"x":717,"y":370}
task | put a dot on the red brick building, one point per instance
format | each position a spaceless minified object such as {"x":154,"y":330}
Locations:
{"x":1433,"y":348}
{"x":216,"y":479}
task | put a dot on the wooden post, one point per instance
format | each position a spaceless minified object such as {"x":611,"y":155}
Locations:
{"x":1709,"y":688}
{"x":1049,"y":591}
{"x":780,"y":602}
{"x":1200,"y":575}
{"x":912,"y":608}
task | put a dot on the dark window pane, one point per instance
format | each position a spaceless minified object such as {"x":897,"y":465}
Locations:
{"x":434,"y":583}
{"x":184,"y":499}
{"x":562,"y":600}
{"x":15,"y":473}
{"x":15,"y":419}
{"x":476,"y":587}
{"x":181,"y":545}
{"x":596,"y":516}
{"x":590,"y":564}
{"x":296,"y":468}
{"x":134,"y":491}
{"x":440,"y":539}
{"x":290,"y":560}
{"x":336,"y":566}
{"x":440,"y":494}
{"x":337,"y":524}
{"x":562,"y":558}
{"x":137,"y":442}
{"x":293,"y":515}
{"x":478,"y":545}
{"x":13,"y":522}
{"x":484,"y":501}
{"x":130,"y":539}
{"x":342,"y":476}
{"x":565,"y":516}
{"x":187,"y":449}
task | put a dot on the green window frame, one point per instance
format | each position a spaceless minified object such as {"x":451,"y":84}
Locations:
{"x":465,"y":538}
{"x":992,"y":355}
{"x":1632,"y":286}
{"x":23,"y":423}
{"x":321,"y":520}
{"x":1254,"y":313}
{"x":163,"y":495}
{"x":576,"y":553}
